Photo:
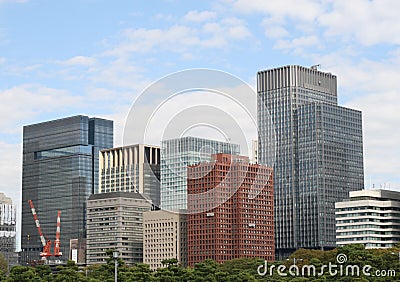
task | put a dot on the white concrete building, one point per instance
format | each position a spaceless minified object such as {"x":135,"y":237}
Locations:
{"x":8,"y":223}
{"x":369,"y":217}
{"x":164,"y":237}
{"x":134,"y":168}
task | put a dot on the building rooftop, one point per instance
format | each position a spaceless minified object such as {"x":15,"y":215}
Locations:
{"x":110,"y":195}
{"x":375,"y":193}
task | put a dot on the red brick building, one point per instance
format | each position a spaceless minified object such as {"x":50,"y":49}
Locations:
{"x":231,"y":211}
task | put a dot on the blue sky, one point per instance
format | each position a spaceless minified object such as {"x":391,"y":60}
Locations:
{"x":61,"y":58}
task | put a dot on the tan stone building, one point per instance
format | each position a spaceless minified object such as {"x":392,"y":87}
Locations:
{"x":164,"y":237}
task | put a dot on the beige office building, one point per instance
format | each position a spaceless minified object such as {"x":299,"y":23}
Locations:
{"x":115,"y":221}
{"x":164,"y":237}
{"x":134,"y":168}
{"x":369,"y":217}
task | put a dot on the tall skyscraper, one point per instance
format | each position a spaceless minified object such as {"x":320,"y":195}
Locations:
{"x":176,"y":155}
{"x":8,"y":232}
{"x":241,"y":226}
{"x":60,"y":171}
{"x":318,"y":151}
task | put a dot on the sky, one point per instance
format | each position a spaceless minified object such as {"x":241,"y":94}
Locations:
{"x":95,"y":57}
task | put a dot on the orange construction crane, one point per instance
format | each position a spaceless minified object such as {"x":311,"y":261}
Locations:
{"x":46,"y":245}
{"x":57,"y":252}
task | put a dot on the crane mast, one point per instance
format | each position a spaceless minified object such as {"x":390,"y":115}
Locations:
{"x":57,"y":252}
{"x":46,"y":244}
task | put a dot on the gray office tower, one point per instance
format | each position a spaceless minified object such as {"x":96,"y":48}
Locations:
{"x":318,"y":153}
{"x":60,"y":171}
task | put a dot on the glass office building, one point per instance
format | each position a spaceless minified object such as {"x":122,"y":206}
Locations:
{"x":60,"y":171}
{"x":318,"y":153}
{"x":176,"y":155}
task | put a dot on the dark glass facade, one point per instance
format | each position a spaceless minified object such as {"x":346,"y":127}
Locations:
{"x":318,"y":153}
{"x":60,"y":171}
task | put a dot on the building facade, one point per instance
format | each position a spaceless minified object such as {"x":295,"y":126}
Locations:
{"x":115,"y":221}
{"x":164,"y":237}
{"x":369,"y":217}
{"x":176,"y":155}
{"x":230,"y":210}
{"x":8,"y":232}
{"x":77,"y":251}
{"x":254,"y":150}
{"x":133,"y":168}
{"x":59,"y":172}
{"x":317,"y":153}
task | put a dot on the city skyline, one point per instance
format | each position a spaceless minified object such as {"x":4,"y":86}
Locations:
{"x":61,"y":59}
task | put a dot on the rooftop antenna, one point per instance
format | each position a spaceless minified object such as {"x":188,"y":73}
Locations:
{"x":315,"y":67}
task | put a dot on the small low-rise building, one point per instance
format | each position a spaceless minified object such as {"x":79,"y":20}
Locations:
{"x":77,"y":251}
{"x":370,"y":217}
{"x":164,"y":237}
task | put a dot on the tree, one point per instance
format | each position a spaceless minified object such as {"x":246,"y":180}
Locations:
{"x":23,"y":274}
{"x":44,"y":272}
{"x":138,"y":273}
{"x":3,"y":264}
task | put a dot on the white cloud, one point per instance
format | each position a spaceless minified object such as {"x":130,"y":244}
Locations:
{"x":180,"y":38}
{"x":24,"y":103}
{"x":10,"y":172}
{"x":196,"y":16}
{"x":120,"y":73}
{"x":303,"y":10}
{"x":381,"y":113}
{"x":79,"y":61}
{"x":145,"y":40}
{"x":10,"y":175}
{"x":358,"y":21}
{"x":298,"y":44}
{"x":274,"y":29}
{"x":367,"y":22}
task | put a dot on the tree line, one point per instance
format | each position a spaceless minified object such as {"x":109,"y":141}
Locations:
{"x":348,"y":263}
